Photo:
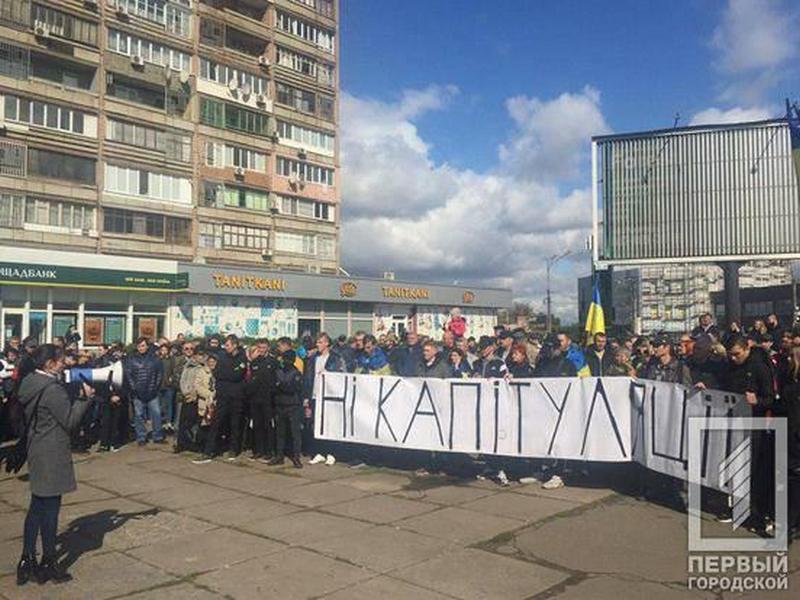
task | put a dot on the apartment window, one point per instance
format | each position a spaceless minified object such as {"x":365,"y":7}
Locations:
{"x":67,"y":74}
{"x":64,"y":25}
{"x":300,"y":63}
{"x":306,"y":137}
{"x":298,"y":99}
{"x":326,"y":247}
{"x":126,"y":89}
{"x":224,"y":235}
{"x":16,"y":12}
{"x":287,"y":167}
{"x":44,"y":114}
{"x":225,"y":155}
{"x":19,"y":212}
{"x":214,"y":33}
{"x":326,"y":74}
{"x":174,"y":146}
{"x":178,"y":231}
{"x":56,"y":165}
{"x":218,"y":195}
{"x":12,"y":158}
{"x":175,"y":16}
{"x":296,"y":243}
{"x":326,"y":108}
{"x":147,"y":184}
{"x":223,"y":74}
{"x":14,"y":61}
{"x":227,"y":116}
{"x":319,"y":36}
{"x":128,"y":222}
{"x":323,"y":7}
{"x":308,"y":209}
{"x":151,"y":52}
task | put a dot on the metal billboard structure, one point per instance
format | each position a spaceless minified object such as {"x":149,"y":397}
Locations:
{"x":711,"y":194}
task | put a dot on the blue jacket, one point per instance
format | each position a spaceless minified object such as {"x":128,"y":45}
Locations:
{"x":143,"y":373}
{"x":576,"y":357}
{"x":370,"y":363}
{"x":406,"y":360}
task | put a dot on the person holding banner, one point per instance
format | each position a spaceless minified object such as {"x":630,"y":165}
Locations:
{"x":666,"y":367}
{"x":432,"y":364}
{"x":489,"y":365}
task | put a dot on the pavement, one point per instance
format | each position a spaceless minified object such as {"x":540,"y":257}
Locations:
{"x":147,"y":524}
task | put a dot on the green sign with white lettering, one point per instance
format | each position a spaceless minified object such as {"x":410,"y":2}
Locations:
{"x":59,"y":276}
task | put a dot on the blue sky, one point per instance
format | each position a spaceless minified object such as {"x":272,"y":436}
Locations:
{"x":453,"y":106}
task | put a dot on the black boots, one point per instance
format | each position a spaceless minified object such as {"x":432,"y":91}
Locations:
{"x":50,"y":570}
{"x":278,"y":460}
{"x":26,"y":569}
{"x":296,"y":462}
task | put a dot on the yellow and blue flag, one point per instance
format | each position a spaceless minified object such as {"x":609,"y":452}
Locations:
{"x":793,"y":117}
{"x":595,"y":320}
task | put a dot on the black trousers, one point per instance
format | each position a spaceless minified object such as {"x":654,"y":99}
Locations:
{"x":288,"y":419}
{"x":185,"y":438}
{"x":262,"y":411}
{"x":229,"y":411}
{"x":112,"y":422}
{"x":42,"y":518}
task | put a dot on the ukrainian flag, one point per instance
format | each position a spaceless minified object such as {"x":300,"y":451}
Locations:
{"x":793,"y":117}
{"x":595,"y":321}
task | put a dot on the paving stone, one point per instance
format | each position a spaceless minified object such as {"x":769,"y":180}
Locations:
{"x":519,"y":506}
{"x":11,"y":525}
{"x":324,"y":472}
{"x":238,"y":511}
{"x":301,"y":528}
{"x":262,"y":484}
{"x":381,"y":548}
{"x":186,"y":494}
{"x":614,"y":588}
{"x":378,"y":483}
{"x":294,"y":574}
{"x":128,"y":481}
{"x":315,"y":494}
{"x":475,"y":574}
{"x":579,"y":495}
{"x":654,"y":545}
{"x":183,"y":591}
{"x":459,"y":525}
{"x":206,"y":551}
{"x":380,"y":509}
{"x":10,"y":551}
{"x":385,"y":588}
{"x":447,"y":494}
{"x":96,"y":577}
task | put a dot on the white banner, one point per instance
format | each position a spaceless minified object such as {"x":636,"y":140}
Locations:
{"x":612,"y":419}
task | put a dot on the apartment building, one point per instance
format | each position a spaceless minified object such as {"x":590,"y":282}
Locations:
{"x":195,"y":130}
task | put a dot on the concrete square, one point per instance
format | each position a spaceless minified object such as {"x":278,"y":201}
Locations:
{"x":519,"y":506}
{"x":381,"y":548}
{"x":206,"y":551}
{"x":475,"y":574}
{"x":378,"y":483}
{"x":459,"y":525}
{"x":380,"y":509}
{"x":315,"y":494}
{"x":183,"y":591}
{"x":386,"y":588}
{"x":293,"y":574}
{"x":262,"y":484}
{"x":449,"y":495}
{"x":238,"y":511}
{"x":579,"y":495}
{"x":302,"y":528}
{"x":614,"y":588}
{"x":589,"y":542}
{"x":186,"y":494}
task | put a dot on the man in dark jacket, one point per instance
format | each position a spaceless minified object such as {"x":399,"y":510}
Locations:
{"x":708,"y":371}
{"x":665,"y":366}
{"x":230,"y":373}
{"x":552,"y":361}
{"x":406,"y":358}
{"x":598,"y":358}
{"x":260,"y":394}
{"x":489,"y":365}
{"x":288,"y":409}
{"x":143,"y":374}
{"x":433,"y":365}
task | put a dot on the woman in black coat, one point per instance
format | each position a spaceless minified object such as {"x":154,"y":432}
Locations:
{"x":50,"y":418}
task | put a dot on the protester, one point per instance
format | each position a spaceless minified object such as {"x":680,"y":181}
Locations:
{"x":288,"y":409}
{"x":143,"y":375}
{"x":459,"y":366}
{"x":433,"y":364}
{"x":166,"y":395}
{"x":230,"y":397}
{"x":50,"y":417}
{"x":552,"y":361}
{"x":506,"y":340}
{"x":260,"y":391}
{"x":621,"y":365}
{"x":789,"y":387}
{"x":666,"y":367}
{"x":706,"y":326}
{"x":519,"y":367}
{"x":572,"y":353}
{"x":373,"y":360}
{"x":490,"y":365}
{"x":408,"y":356}
{"x":598,"y":358}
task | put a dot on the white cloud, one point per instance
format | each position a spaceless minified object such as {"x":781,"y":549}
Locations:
{"x":404,"y":212}
{"x":732,"y":115}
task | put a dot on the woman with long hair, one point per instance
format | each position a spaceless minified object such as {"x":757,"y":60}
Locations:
{"x":49,"y":417}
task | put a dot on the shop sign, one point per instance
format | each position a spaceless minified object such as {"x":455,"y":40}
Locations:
{"x":17,"y":273}
{"x":348,"y":289}
{"x":248,"y":282}
{"x":405,"y":293}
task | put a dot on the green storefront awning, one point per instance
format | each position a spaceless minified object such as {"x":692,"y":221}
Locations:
{"x":60,"y":276}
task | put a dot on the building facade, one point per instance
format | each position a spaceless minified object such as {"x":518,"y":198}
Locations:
{"x":189,"y":130}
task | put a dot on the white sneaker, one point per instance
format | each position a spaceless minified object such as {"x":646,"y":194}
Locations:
{"x":502,"y":478}
{"x":330,"y":460}
{"x":317,"y":459}
{"x":201,"y":461}
{"x":553,"y":483}
{"x":528,"y":480}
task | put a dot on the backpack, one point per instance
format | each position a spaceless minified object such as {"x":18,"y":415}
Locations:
{"x":16,"y":456}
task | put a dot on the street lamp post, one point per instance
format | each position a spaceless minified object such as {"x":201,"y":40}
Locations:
{"x":549,"y":262}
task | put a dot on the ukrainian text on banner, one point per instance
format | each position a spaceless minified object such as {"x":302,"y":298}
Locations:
{"x":612,"y":419}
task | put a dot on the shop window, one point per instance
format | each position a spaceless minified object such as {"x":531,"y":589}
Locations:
{"x":103,"y":329}
{"x":62,"y":323}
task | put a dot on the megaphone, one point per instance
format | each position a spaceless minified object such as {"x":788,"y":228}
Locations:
{"x":111,"y":374}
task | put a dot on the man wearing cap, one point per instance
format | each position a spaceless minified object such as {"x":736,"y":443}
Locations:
{"x":505,"y":340}
{"x":489,"y":365}
{"x":666,"y":367}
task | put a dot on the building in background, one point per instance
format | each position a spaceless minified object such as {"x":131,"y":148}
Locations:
{"x":171,"y":166}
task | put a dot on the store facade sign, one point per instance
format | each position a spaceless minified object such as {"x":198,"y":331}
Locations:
{"x":248,"y":282}
{"x":348,"y":289}
{"x":60,"y":276}
{"x":406,"y":293}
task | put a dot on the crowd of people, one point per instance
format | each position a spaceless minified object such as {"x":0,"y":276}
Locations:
{"x":218,"y":395}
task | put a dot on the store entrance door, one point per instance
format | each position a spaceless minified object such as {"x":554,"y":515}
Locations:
{"x":13,"y":320}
